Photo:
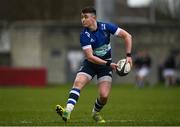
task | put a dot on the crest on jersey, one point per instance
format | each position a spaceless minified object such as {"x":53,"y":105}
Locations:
{"x":103,"y":27}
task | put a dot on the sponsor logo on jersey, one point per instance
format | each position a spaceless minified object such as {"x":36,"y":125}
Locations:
{"x":103,"y":26}
{"x":101,"y":51}
{"x":92,"y":40}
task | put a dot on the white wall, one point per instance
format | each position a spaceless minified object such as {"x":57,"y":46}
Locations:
{"x":26,"y":47}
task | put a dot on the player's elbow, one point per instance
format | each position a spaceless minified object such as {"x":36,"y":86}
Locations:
{"x":125,"y":35}
{"x":129,"y":36}
{"x":90,"y":59}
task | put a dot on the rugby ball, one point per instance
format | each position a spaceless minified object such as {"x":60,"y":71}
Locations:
{"x":123,"y":67}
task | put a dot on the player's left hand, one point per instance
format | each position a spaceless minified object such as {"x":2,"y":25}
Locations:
{"x":129,"y":60}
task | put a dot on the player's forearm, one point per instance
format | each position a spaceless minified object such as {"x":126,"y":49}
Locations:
{"x":127,"y":39}
{"x":128,"y":43}
{"x":96,"y":60}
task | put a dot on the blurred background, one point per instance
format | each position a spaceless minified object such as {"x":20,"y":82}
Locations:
{"x":39,"y":39}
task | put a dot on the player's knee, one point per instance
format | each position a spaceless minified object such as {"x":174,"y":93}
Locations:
{"x":78,"y":84}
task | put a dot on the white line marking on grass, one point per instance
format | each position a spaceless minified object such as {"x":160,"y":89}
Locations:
{"x":125,"y":121}
{"x":122,"y":121}
{"x":25,"y":122}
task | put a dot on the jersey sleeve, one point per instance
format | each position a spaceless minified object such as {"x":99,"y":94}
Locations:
{"x":85,"y":41}
{"x":113,"y":29}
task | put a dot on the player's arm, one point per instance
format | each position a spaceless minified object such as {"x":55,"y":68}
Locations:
{"x":113,"y":29}
{"x":94,"y":59}
{"x":88,"y":52}
{"x":90,"y":57}
{"x":128,"y":43}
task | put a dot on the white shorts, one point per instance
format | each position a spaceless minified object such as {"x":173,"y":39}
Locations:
{"x":142,"y":72}
{"x":168,"y":72}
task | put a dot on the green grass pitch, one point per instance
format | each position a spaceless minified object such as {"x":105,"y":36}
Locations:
{"x":127,"y":105}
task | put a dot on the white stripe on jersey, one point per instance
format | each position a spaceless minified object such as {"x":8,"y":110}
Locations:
{"x":86,"y":47}
{"x":117,"y":31}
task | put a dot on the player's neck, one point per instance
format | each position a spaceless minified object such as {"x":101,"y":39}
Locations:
{"x":93,"y":27}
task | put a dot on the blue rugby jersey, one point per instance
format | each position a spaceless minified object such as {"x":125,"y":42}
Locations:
{"x":99,"y":40}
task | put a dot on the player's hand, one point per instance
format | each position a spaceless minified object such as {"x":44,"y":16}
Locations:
{"x":129,"y":60}
{"x":113,"y":66}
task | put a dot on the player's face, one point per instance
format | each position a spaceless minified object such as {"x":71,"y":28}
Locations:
{"x":87,"y":19}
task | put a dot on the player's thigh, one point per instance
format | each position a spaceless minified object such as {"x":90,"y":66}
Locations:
{"x":104,"y":77}
{"x":81,"y":80}
{"x":84,"y":75}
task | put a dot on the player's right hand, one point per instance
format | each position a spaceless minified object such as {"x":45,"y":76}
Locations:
{"x":113,"y":66}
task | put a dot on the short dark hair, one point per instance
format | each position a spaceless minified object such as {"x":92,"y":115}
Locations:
{"x":89,"y":10}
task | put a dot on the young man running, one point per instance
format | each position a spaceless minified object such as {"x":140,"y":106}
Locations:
{"x":95,"y":43}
